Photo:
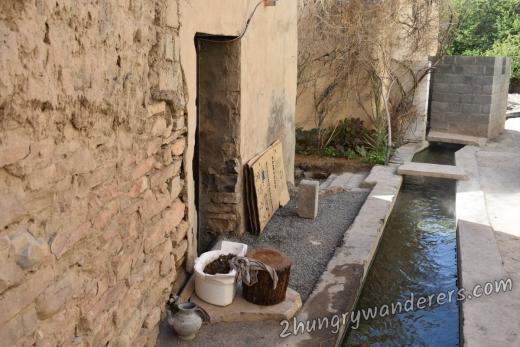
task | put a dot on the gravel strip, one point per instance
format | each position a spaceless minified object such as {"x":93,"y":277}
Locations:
{"x":309,"y":244}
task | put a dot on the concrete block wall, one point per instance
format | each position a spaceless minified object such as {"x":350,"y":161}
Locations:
{"x":92,"y":140}
{"x":469,"y":95}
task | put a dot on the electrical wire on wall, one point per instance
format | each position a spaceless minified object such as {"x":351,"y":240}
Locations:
{"x":249,"y":19}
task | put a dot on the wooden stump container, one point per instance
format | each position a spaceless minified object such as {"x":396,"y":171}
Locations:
{"x":262,"y":292}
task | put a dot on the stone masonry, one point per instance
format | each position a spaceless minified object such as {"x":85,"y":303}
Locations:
{"x":469,"y":95}
{"x":92,"y":199}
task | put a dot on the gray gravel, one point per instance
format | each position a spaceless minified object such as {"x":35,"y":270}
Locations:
{"x":309,"y":244}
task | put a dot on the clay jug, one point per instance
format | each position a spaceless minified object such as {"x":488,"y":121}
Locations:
{"x":186,"y":322}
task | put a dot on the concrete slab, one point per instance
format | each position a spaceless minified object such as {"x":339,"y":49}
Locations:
{"x":437,"y":136}
{"x":432,"y":170}
{"x":487,"y":320}
{"x":241,"y":310}
{"x":405,"y":153}
{"x":487,"y":205}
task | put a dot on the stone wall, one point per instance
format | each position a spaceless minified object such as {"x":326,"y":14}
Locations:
{"x":92,"y":204}
{"x":218,"y":159}
{"x":469,"y":95}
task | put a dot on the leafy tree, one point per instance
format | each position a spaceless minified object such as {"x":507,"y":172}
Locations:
{"x":489,"y":28}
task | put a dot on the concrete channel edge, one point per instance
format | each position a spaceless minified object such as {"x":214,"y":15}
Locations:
{"x":339,"y":287}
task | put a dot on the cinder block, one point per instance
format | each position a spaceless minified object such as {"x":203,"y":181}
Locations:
{"x":487,"y":90}
{"x":461,"y":60}
{"x":473,"y":69}
{"x":308,"y":199}
{"x":470,"y":108}
{"x":489,"y":70}
{"x":481,"y":99}
{"x":489,"y":61}
{"x":445,"y":97}
{"x":448,"y":60}
{"x":443,"y":106}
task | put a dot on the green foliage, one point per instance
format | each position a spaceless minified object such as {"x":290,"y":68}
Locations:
{"x":350,"y":139}
{"x":350,"y":154}
{"x":328,"y":152}
{"x":488,"y":28}
{"x":349,"y":133}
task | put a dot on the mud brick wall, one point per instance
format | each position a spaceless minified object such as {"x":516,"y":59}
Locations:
{"x":92,"y":136}
{"x":469,"y":95}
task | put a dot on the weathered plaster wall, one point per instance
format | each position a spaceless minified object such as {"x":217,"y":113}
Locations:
{"x":91,"y":144}
{"x":268,"y":82}
{"x":353,"y":98}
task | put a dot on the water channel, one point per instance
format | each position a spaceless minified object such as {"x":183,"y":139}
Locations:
{"x":417,"y":255}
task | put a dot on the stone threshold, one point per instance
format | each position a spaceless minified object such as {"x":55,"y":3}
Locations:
{"x":241,"y":310}
{"x":432,"y":170}
{"x":438,"y":136}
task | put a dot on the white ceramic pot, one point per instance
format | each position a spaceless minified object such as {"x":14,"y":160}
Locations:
{"x":186,"y":322}
{"x":218,"y":289}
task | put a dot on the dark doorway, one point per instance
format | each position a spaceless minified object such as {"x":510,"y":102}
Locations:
{"x":217,"y":165}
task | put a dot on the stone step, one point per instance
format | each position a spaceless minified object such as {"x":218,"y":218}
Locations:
{"x":328,"y":182}
{"x":348,"y":180}
{"x":432,"y":170}
{"x":438,"y":136}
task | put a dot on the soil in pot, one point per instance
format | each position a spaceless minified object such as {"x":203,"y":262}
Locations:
{"x":219,"y":265}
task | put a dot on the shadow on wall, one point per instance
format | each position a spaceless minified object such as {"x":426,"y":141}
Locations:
{"x":281,"y":121}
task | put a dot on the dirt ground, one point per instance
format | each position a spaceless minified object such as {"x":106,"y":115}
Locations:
{"x":329,"y":165}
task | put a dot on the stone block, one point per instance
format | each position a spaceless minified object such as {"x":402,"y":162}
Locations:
{"x":156,"y":108}
{"x":5,"y":245}
{"x":28,"y":251}
{"x":163,"y":175}
{"x":308,"y":192}
{"x":167,"y":265}
{"x":79,"y":162}
{"x":67,"y":237}
{"x":173,"y":215}
{"x":127,"y":306}
{"x":180,"y":232}
{"x":20,"y":326}
{"x":175,"y":187}
{"x":155,"y":235}
{"x":153,"y":318}
{"x":158,"y":127}
{"x":138,"y":187}
{"x":12,"y":205}
{"x":180,"y":250}
{"x":171,"y":15}
{"x":220,"y":226}
{"x":143,"y":168}
{"x":14,"y":146}
{"x":10,"y":274}
{"x":179,"y":123}
{"x":226,"y":198}
{"x":54,"y":298}
{"x":169,"y":48}
{"x":18,"y":298}
{"x":178,"y":147}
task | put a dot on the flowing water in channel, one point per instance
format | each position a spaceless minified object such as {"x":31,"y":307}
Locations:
{"x":417,"y":255}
